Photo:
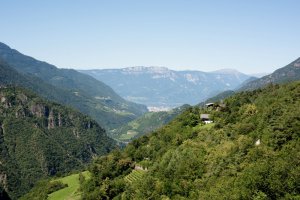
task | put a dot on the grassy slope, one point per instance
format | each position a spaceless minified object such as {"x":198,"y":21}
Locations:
{"x":70,"y":192}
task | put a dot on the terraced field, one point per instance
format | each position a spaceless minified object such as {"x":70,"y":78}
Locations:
{"x":134,"y":176}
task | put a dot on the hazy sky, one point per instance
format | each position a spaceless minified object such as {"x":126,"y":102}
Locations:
{"x":251,"y":36}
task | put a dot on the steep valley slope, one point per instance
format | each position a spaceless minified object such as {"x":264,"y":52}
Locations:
{"x":39,"y":139}
{"x":251,"y":151}
{"x":72,"y":88}
{"x":288,"y":73}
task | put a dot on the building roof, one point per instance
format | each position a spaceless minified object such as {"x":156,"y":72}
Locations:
{"x":204,"y":116}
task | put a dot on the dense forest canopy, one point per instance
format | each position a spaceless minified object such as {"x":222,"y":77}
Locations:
{"x":251,"y":151}
{"x":39,"y":139}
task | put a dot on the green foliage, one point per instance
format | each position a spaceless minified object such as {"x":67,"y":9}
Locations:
{"x":39,"y":192}
{"x":219,"y":97}
{"x":60,"y":188}
{"x":135,"y":175}
{"x":55,"y":186}
{"x":3,"y":194}
{"x":81,"y":178}
{"x":73,"y":191}
{"x":67,"y":87}
{"x":224,"y":160}
{"x":147,"y":123}
{"x":108,"y":174}
{"x":39,"y":139}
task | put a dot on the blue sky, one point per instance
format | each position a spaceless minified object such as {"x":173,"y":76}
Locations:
{"x":250,"y":36}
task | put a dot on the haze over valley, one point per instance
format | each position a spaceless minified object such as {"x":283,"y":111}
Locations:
{"x":207,"y":107}
{"x":162,"y":87}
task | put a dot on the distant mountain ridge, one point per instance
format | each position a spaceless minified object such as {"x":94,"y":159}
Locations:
{"x":160,"y":86}
{"x":81,"y":91}
{"x":290,"y":72}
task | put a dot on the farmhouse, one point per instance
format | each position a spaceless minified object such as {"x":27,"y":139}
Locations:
{"x":209,"y":105}
{"x":205,"y":118}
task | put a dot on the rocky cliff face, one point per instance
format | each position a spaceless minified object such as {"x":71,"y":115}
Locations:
{"x":39,"y":138}
{"x":67,"y":87}
{"x":23,"y":107}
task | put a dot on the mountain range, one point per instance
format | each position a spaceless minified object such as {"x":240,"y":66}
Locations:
{"x":180,"y":158}
{"x":151,"y":121}
{"x":160,"y":86}
{"x":288,"y":73}
{"x":68,"y":87}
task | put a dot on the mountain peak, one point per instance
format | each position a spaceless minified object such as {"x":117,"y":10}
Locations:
{"x":146,"y":70}
{"x":143,"y":68}
{"x":288,"y":73}
{"x":163,"y":87}
{"x":297,"y":62}
{"x":4,"y":46}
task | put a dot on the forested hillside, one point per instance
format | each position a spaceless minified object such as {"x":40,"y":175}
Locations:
{"x":145,"y":124}
{"x":290,"y":72}
{"x":80,"y":91}
{"x":11,"y":77}
{"x":39,"y":138}
{"x":251,"y":151}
